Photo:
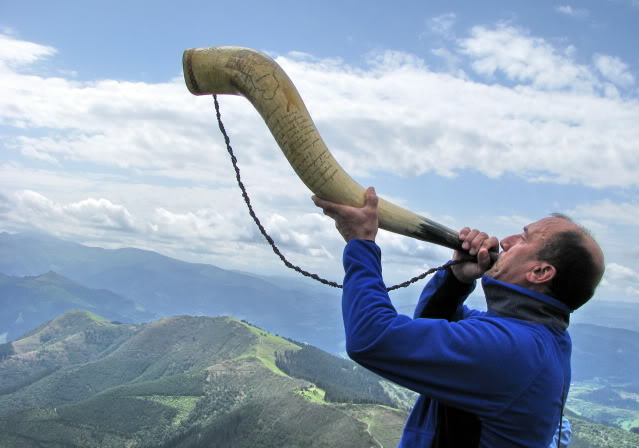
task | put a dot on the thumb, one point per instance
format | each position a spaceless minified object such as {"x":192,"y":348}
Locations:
{"x":371,"y":199}
{"x":483,"y":258}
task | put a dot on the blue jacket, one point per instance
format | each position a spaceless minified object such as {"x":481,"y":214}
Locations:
{"x":508,"y":368}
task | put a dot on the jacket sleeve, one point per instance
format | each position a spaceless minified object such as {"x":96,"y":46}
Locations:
{"x":460,"y":364}
{"x":443,"y":297}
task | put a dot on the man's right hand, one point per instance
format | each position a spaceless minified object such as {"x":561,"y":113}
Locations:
{"x":477,"y":244}
{"x":353,"y":222}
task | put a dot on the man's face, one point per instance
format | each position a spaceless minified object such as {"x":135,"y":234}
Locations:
{"x":519,"y":255}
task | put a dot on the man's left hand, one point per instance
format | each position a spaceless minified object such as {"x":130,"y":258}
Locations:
{"x":477,"y":244}
{"x":353,"y":222}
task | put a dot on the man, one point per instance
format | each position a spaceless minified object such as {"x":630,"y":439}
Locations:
{"x":494,"y":379}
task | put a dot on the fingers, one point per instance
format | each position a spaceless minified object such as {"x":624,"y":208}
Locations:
{"x":483,"y":259}
{"x":475,"y":243}
{"x":319,"y":202}
{"x":471,"y":239}
{"x":353,"y":222}
{"x":463,"y":232}
{"x":333,"y":208}
{"x":474,"y":240}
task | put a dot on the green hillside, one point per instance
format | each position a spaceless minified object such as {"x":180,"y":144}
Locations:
{"x":587,"y":434}
{"x":76,"y":337}
{"x":605,"y":387}
{"x":162,"y":348}
{"x":177,"y":382}
{"x":84,"y":381}
{"x":339,"y":379}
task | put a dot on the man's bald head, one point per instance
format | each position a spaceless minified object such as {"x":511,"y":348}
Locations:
{"x":578,"y":259}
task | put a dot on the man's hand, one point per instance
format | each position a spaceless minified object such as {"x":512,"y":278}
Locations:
{"x":353,"y":222}
{"x":477,"y":244}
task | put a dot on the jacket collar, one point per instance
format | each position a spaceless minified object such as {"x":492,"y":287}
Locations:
{"x":522,"y":303}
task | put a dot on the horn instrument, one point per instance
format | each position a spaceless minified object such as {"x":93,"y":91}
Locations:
{"x":258,"y":78}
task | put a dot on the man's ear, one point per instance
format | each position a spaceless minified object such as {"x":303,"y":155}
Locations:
{"x":541,"y":274}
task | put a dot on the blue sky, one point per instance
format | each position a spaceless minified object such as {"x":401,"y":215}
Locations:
{"x":488,"y":114}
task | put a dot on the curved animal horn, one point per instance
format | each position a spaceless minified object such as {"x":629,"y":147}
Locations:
{"x":258,"y":78}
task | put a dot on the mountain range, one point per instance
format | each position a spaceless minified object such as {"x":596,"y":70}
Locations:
{"x":84,"y":381}
{"x":51,"y":367}
{"x":27,"y":302}
{"x":168,"y":287}
{"x":162,"y":286}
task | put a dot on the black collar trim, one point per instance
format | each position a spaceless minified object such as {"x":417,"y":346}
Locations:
{"x":521,"y":303}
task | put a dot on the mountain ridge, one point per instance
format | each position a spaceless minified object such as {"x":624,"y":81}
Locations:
{"x":168,"y":286}
{"x":28,"y":301}
{"x":193,"y":377}
{"x":195,"y":381}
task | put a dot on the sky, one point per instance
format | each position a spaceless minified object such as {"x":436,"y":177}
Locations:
{"x":483,"y":114}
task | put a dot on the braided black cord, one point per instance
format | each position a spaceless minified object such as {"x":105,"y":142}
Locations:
{"x":288,"y":264}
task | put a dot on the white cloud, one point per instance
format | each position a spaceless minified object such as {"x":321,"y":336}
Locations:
{"x":203,"y":224}
{"x":622,"y":278}
{"x":616,"y":272}
{"x":97,"y":214}
{"x":555,"y":136}
{"x":568,"y":10}
{"x":525,"y":59}
{"x":452,"y":61}
{"x":309,"y":230}
{"x":162,"y":130}
{"x":222,"y":234}
{"x":614,"y":69}
{"x":620,"y":213}
{"x":442,"y":25}
{"x":142,"y":164}
{"x":17,"y":53}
